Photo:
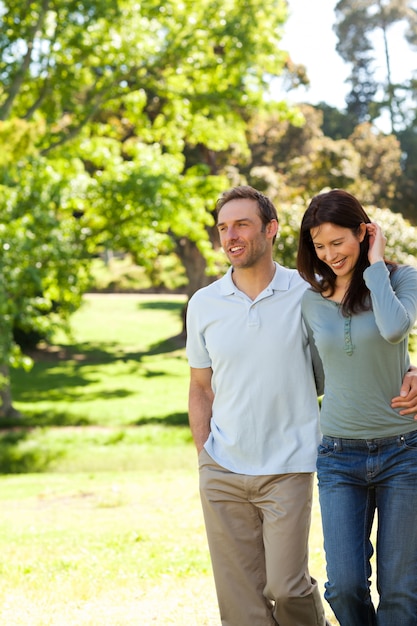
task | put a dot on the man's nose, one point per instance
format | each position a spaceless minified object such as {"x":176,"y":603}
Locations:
{"x":230,"y":233}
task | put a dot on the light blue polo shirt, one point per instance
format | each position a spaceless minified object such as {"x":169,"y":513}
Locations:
{"x":265,"y":410}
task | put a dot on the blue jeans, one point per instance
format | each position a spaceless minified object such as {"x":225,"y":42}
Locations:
{"x":356,"y":479}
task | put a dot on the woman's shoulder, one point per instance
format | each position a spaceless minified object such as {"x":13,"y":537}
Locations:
{"x":311,"y":296}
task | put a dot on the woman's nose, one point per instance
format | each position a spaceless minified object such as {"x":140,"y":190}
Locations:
{"x":329,"y":254}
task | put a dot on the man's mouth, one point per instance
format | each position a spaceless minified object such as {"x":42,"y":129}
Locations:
{"x":234,"y":249}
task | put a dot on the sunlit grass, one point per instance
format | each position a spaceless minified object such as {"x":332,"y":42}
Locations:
{"x":106,"y":547}
{"x":86,"y":548}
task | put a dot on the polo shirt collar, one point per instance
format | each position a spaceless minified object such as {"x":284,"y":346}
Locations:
{"x":280,"y":281}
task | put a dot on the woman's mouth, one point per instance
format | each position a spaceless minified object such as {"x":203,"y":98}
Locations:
{"x":338,"y":264}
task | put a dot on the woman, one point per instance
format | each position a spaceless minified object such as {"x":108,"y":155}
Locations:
{"x":359,"y":312}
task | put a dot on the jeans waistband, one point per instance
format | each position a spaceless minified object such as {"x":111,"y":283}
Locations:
{"x":378,"y":441}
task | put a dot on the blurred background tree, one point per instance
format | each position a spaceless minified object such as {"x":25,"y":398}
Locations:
{"x":121,"y":123}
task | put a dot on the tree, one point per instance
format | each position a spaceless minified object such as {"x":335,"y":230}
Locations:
{"x":336,"y":124}
{"x":356,"y":23}
{"x":379,"y":167}
{"x":405,"y":198}
{"x":43,"y":249}
{"x":305,"y":159}
{"x":109,"y":99}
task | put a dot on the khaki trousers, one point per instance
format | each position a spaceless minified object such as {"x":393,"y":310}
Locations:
{"x":257,"y":529}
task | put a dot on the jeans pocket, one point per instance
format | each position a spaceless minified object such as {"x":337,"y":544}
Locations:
{"x":325,"y":449}
{"x":410,"y":441}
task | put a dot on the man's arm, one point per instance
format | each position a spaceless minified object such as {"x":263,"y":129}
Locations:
{"x":200,"y":403}
{"x":407,"y":400}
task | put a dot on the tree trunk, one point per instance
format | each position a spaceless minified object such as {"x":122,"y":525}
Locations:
{"x":390,"y":89}
{"x":195,"y":268}
{"x":6,"y":408}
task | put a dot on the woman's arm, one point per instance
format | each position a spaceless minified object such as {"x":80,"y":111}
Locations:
{"x":394,"y":299}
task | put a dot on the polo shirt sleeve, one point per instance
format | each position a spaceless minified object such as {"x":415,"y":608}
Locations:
{"x":196,"y":350}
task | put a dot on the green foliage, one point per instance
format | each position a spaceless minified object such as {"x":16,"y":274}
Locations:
{"x":401,"y":235}
{"x":295,"y":161}
{"x":120,"y":274}
{"x":286,"y":244}
{"x":98,"y":102}
{"x":43,"y":249}
{"x":380,"y":165}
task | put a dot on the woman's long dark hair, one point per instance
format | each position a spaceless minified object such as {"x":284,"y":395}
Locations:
{"x":342,"y":209}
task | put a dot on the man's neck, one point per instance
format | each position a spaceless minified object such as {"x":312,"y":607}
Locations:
{"x":252,"y":281}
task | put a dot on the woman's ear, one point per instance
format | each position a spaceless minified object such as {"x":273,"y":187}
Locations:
{"x":362,"y":231}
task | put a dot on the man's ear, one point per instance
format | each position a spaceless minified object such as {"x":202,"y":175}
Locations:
{"x":272,"y":228}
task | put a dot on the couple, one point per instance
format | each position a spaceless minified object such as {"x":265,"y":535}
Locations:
{"x":261,"y":346}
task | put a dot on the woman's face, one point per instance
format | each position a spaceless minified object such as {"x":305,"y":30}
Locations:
{"x":338,"y":247}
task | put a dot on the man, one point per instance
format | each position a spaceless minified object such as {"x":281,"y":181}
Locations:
{"x":254,"y":418}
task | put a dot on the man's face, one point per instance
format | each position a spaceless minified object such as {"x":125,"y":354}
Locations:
{"x":243,"y":236}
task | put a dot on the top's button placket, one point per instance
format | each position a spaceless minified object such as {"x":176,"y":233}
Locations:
{"x":349,"y":347}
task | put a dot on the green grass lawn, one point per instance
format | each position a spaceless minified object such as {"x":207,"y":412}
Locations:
{"x":124,"y":366}
{"x":100,"y":520}
{"x":120,"y":382}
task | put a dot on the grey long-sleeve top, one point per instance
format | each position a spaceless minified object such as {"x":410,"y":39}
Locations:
{"x":365,"y":356}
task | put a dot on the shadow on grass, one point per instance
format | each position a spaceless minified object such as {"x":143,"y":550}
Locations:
{"x":167,"y":346}
{"x":163,"y":305}
{"x":175,"y":419}
{"x":20,"y":455}
{"x":61,"y":372}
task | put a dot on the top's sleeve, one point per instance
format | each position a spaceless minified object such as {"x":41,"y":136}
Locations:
{"x":315,"y":357}
{"x":394,"y":299}
{"x":196,"y":349}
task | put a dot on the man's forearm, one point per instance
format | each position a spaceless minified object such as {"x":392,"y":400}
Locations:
{"x":199,"y":419}
{"x":200,"y":405}
{"x":406,"y":401}
{"x":199,"y":411}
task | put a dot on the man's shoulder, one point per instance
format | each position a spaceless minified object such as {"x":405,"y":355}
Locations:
{"x":290,"y":276}
{"x":212,"y":290}
{"x":290,"y":272}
